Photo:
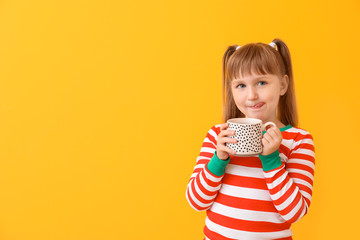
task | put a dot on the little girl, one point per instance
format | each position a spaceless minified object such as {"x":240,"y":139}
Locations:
{"x":256,"y":197}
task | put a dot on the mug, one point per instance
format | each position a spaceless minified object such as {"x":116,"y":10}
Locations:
{"x":248,"y":132}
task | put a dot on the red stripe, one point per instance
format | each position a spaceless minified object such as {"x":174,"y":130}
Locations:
{"x":300,"y":167}
{"x":292,"y":205}
{"x":285,"y":196}
{"x":275,"y":189}
{"x":203,"y":161}
{"x":283,"y":149}
{"x":207,"y":180}
{"x":246,"y":161}
{"x":197,"y":207}
{"x":304,"y":188}
{"x":280,"y":172}
{"x":203,"y":189}
{"x":215,"y":236}
{"x":303,"y":156}
{"x":211,"y":138}
{"x":198,"y":197}
{"x":286,"y":238}
{"x":248,"y":182}
{"x":301,"y":176}
{"x":290,"y":135}
{"x":307,"y":146}
{"x":297,"y":215}
{"x":206,"y":154}
{"x":296,"y":136}
{"x":244,"y":203}
{"x":244,"y":225}
{"x":208,"y":145}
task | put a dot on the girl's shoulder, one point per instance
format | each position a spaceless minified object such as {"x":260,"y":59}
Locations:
{"x":296,"y":133}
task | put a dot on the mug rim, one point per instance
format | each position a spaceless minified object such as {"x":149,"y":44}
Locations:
{"x":248,"y":121}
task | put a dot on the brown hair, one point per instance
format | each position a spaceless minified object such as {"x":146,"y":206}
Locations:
{"x":259,"y":58}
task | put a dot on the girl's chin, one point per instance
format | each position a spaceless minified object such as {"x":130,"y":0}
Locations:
{"x":258,"y":116}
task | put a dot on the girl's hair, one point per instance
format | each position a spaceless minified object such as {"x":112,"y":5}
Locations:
{"x":259,"y":58}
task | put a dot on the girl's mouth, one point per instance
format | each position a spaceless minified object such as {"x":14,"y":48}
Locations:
{"x":257,"y":106}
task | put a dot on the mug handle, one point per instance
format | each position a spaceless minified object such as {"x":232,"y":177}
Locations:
{"x":267,"y":124}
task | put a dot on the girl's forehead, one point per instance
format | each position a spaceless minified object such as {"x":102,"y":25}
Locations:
{"x":254,"y":76}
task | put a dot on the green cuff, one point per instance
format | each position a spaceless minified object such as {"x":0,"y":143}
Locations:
{"x":271,"y":161}
{"x":217,"y":166}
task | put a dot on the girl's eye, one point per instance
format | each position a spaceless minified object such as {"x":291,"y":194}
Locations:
{"x":238,"y":86}
{"x":262,"y":82}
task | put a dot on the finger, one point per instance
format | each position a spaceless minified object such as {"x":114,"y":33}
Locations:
{"x":277,"y":131}
{"x":228,"y":140}
{"x":276,"y":134}
{"x":265,"y":141}
{"x":228,"y":150}
{"x":227,"y":133}
{"x":268,"y":137}
{"x":224,"y":126}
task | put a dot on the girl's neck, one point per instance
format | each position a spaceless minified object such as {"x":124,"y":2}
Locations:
{"x":279,"y":124}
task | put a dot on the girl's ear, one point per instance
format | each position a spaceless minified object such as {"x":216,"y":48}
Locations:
{"x":284,"y":83}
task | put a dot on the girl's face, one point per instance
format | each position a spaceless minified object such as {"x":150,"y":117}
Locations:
{"x":257,"y":96}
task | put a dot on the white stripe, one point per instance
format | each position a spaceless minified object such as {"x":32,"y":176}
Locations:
{"x":293,"y":212}
{"x":304,"y":151}
{"x":283,"y":157}
{"x":278,"y":181}
{"x":300,"y":181}
{"x":298,"y":130}
{"x":244,"y":171}
{"x":203,"y":195}
{"x":212,"y":133}
{"x":207,"y":140}
{"x":200,"y":204}
{"x":302,"y":213}
{"x":238,"y":234}
{"x":206,"y":186}
{"x":248,"y":215}
{"x":303,"y":162}
{"x":271,"y":174}
{"x":282,"y":191}
{"x":287,"y":142}
{"x":306,"y":195}
{"x":300,"y":171}
{"x":207,"y":150}
{"x":187,"y":198}
{"x":242,"y":192}
{"x":288,"y":201}
{"x":304,"y":140}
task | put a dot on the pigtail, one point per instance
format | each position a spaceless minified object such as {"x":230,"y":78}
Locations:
{"x":287,"y":108}
{"x":229,"y":107}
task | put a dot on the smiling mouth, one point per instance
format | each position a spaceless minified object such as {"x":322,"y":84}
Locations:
{"x":257,"y":106}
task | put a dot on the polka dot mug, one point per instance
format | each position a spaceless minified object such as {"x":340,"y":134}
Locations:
{"x":248,"y":132}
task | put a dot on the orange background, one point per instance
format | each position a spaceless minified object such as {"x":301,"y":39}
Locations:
{"x":104,"y":106}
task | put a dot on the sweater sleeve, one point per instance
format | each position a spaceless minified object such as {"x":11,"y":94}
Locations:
{"x":206,"y":179}
{"x":291,"y":184}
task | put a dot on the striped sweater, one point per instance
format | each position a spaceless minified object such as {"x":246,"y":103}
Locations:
{"x":245,"y":200}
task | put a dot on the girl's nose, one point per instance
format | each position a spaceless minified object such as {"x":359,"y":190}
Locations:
{"x":252,"y":94}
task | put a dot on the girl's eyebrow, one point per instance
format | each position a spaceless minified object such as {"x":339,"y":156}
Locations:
{"x":240,"y":80}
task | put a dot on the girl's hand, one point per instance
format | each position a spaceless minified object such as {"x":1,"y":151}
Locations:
{"x":221,"y":149}
{"x":271,"y":140}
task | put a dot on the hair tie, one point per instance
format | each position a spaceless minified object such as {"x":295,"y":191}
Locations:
{"x":273,"y":44}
